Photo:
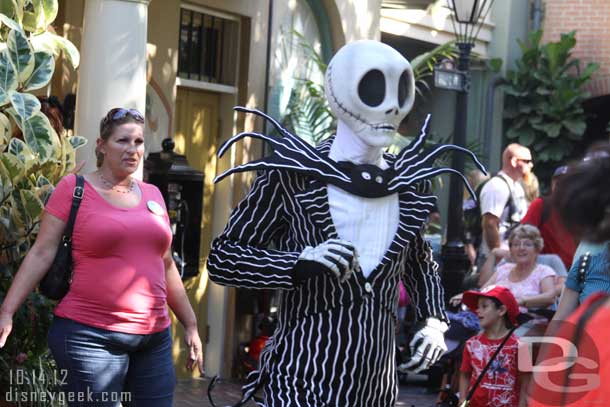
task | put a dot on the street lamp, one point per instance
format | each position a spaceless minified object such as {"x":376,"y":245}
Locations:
{"x":446,"y":76}
{"x":467,"y":18}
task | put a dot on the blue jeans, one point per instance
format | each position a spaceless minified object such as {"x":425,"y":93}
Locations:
{"x":105,"y":368}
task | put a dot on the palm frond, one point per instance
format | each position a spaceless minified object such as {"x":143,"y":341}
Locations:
{"x":310,"y":51}
{"x":423,"y":65}
{"x":308,"y":114}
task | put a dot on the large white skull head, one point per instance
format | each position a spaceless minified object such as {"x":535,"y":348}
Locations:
{"x":370,"y":87}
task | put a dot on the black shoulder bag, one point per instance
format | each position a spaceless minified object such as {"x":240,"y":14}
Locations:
{"x":56,"y":282}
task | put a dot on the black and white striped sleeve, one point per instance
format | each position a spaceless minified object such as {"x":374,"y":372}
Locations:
{"x":240,"y":255}
{"x":422,"y":280}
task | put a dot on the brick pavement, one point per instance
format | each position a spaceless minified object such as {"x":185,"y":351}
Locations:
{"x":193,"y":393}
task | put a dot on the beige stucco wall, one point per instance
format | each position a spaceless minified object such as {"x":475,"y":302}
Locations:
{"x":359,"y":19}
{"x":162,"y":50}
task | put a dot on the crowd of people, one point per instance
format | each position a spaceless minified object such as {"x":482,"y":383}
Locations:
{"x":526,"y":248}
{"x":583,"y":203}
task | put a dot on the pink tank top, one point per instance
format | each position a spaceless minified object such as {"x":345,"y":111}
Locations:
{"x":524,"y":288}
{"x":119,"y":275}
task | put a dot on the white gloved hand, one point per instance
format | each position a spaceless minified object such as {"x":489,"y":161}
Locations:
{"x":335,"y":255}
{"x":427,"y":346}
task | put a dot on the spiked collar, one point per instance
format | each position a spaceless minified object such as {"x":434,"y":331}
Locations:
{"x":408,"y":168}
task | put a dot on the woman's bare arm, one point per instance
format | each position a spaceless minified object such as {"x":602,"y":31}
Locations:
{"x":32,"y":269}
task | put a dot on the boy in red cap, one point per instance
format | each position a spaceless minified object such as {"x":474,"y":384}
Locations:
{"x":497,"y":310}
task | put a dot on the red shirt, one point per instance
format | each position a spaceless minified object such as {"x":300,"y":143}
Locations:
{"x":500,"y":386}
{"x":557,"y":240}
{"x":590,"y":374}
{"x":119,"y":273}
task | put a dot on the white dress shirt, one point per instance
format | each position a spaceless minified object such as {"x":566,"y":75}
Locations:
{"x":368,"y":223}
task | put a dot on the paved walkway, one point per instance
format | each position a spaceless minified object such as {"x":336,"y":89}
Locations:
{"x":193,"y":393}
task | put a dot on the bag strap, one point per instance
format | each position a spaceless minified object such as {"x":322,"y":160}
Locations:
{"x":582,"y":269}
{"x":478,"y":381}
{"x":77,"y":197}
{"x":510,"y":202}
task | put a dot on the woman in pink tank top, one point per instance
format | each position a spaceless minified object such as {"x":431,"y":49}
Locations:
{"x":111,"y":332}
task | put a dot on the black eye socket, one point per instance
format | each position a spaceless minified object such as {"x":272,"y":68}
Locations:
{"x":371,"y":88}
{"x":403,"y":88}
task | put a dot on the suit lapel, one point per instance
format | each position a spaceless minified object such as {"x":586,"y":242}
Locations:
{"x":414,"y":208}
{"x":314,"y":198}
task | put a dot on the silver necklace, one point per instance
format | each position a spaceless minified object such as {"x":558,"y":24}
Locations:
{"x":114,"y":187}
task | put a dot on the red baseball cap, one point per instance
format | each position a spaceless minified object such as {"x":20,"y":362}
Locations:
{"x":503,"y":294}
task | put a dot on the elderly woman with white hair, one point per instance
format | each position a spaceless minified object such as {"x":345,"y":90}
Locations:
{"x":532,"y":284}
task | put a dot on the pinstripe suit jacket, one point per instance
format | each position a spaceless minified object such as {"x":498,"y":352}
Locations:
{"x":334,"y":345}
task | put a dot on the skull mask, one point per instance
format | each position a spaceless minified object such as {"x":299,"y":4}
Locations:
{"x":370,"y":87}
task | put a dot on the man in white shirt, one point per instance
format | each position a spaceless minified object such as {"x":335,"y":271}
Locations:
{"x":502,"y":199}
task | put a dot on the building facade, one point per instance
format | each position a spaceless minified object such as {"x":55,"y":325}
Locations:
{"x":186,"y":64}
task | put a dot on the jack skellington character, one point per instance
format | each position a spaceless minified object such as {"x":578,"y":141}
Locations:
{"x":335,"y":228}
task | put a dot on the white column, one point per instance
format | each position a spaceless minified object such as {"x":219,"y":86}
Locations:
{"x":112,"y":72}
{"x":220,"y":310}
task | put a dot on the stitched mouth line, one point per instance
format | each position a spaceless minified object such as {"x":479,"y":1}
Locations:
{"x":340,"y":105}
{"x":384,"y":127}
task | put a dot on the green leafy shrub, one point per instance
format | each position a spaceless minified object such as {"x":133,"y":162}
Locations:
{"x":33,"y":157}
{"x":544,"y":97}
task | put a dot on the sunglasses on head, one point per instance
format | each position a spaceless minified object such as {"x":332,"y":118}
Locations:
{"x":120,"y":112}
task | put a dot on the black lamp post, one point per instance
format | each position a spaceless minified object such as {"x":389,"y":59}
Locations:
{"x":467,"y":18}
